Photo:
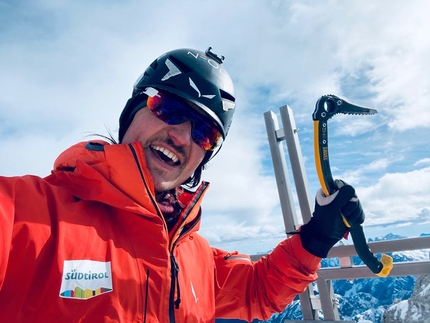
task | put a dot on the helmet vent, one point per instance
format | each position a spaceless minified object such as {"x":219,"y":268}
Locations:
{"x":227,"y":96}
{"x":184,"y":68}
{"x":154,"y":65}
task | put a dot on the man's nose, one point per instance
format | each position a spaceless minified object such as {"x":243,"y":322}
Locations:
{"x":181,"y":133}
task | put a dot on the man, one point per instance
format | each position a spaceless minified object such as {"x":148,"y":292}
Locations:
{"x":111,"y":234}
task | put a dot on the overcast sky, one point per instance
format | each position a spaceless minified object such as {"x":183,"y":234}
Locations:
{"x":67,"y":69}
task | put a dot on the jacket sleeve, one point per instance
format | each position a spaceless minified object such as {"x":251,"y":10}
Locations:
{"x":7,"y":211}
{"x":23,"y":210}
{"x":247,"y":290}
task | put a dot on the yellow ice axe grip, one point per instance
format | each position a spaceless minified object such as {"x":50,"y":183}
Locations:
{"x":318,"y":161}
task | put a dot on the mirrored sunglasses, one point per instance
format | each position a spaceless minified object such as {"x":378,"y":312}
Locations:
{"x":172,"y":111}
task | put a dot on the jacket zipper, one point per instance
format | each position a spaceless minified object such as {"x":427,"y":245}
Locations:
{"x":174,"y":284}
{"x":173,"y":304}
{"x":145,"y":308}
{"x":172,"y":293}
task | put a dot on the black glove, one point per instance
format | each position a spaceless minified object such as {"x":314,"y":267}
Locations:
{"x":327,"y":226}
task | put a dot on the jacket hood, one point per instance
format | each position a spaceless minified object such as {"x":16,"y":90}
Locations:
{"x":115,"y":175}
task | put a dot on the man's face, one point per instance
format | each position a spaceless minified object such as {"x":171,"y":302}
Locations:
{"x":171,"y":154}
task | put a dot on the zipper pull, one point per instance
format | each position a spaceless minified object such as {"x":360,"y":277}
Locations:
{"x":175,"y":269}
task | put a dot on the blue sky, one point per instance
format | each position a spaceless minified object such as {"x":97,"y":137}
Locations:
{"x":67,"y":69}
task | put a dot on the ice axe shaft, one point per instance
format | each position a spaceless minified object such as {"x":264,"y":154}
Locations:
{"x":326,"y":107}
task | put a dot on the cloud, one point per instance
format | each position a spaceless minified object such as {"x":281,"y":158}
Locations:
{"x":423,"y":161}
{"x":398,"y":198}
{"x":68,"y":69}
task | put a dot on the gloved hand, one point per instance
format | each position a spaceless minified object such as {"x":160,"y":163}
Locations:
{"x":327,"y":226}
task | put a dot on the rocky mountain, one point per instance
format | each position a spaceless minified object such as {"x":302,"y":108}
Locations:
{"x":415,"y":309}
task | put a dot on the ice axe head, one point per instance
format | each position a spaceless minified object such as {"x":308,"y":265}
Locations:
{"x":326,"y":107}
{"x":329,"y":105}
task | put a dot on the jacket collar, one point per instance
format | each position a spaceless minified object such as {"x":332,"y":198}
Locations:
{"x":116,"y":175}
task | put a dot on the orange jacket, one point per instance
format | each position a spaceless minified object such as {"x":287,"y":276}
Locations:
{"x":88,"y":243}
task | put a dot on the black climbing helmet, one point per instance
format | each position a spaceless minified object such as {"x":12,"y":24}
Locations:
{"x":196,"y":76}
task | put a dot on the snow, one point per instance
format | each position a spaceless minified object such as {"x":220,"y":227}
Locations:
{"x":401,"y":310}
{"x":425,"y":291}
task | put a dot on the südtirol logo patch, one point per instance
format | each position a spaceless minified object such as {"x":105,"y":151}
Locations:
{"x":84,"y":279}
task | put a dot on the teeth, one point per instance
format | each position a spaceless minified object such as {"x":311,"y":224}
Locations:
{"x":167,"y":153}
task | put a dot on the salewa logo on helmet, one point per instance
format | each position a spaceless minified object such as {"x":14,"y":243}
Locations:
{"x":84,"y":279}
{"x":199,"y":94}
{"x":174,"y":70}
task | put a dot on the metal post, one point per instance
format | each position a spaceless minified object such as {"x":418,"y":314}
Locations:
{"x":297,"y":163}
{"x":281,"y":173}
{"x":328,"y":306}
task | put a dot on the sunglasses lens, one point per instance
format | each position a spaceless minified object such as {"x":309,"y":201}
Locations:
{"x":206,"y":136}
{"x":172,"y":111}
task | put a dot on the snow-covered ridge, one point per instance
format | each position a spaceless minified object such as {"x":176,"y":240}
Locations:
{"x":416,"y":308}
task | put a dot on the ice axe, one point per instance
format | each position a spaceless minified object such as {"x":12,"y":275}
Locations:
{"x":326,"y":107}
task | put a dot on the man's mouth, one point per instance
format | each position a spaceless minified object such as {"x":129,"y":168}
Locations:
{"x":166,"y":155}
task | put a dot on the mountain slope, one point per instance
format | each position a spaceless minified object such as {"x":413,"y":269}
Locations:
{"x":415,"y":309}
